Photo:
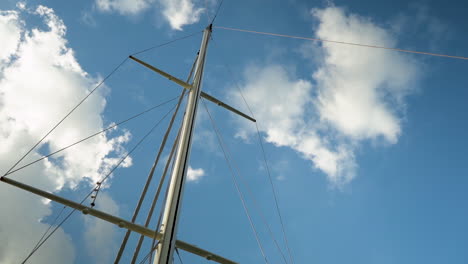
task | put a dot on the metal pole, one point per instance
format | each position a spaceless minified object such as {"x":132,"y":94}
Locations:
{"x":122,"y":223}
{"x":168,"y":227}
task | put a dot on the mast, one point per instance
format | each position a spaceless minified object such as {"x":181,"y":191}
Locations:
{"x":168,"y":229}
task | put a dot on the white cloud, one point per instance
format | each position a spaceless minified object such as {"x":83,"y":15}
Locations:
{"x":357,"y":85}
{"x":180,"y":12}
{"x":358,"y":94}
{"x":194,"y":175}
{"x":40,"y":80}
{"x":281,"y":103}
{"x":10,"y":30}
{"x":124,"y":7}
{"x":278,"y":101}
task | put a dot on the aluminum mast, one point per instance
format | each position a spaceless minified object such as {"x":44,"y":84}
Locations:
{"x":168,"y":229}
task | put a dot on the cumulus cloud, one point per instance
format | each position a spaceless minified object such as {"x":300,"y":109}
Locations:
{"x":177,"y":13}
{"x":194,"y":175}
{"x":357,"y":86}
{"x":282,"y":103}
{"x":40,"y":80}
{"x":180,"y":13}
{"x":123,"y":7}
{"x":282,"y":100}
{"x":10,"y":30}
{"x":355,"y":94}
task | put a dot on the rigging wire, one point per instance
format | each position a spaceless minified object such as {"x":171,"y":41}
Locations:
{"x":208,"y":16}
{"x":178,"y":254}
{"x":273,"y":189}
{"x":262,"y":216}
{"x":51,"y":233}
{"x":344,"y":42}
{"x":67,"y":115}
{"x":149,"y":254}
{"x":93,"y":135}
{"x":166,"y":43}
{"x":267,"y":167}
{"x":241,"y":196}
{"x":217,"y":11}
{"x":50,"y":227}
{"x":274,"y":194}
{"x":257,"y":207}
{"x":101,"y":181}
{"x":150,"y":177}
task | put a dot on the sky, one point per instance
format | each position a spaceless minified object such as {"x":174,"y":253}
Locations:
{"x":365,"y":147}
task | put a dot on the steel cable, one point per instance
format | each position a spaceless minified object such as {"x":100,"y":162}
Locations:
{"x":344,"y":42}
{"x":241,"y":196}
{"x":267,"y":167}
{"x":166,"y":43}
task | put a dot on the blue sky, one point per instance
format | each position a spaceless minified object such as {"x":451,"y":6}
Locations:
{"x":366,"y":147}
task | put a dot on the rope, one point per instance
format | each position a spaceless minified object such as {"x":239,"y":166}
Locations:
{"x":68,"y":114}
{"x":346,"y":43}
{"x":267,"y":167}
{"x":235,"y":182}
{"x":101,"y":181}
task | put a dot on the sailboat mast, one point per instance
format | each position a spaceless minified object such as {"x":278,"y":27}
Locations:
{"x":173,"y":204}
